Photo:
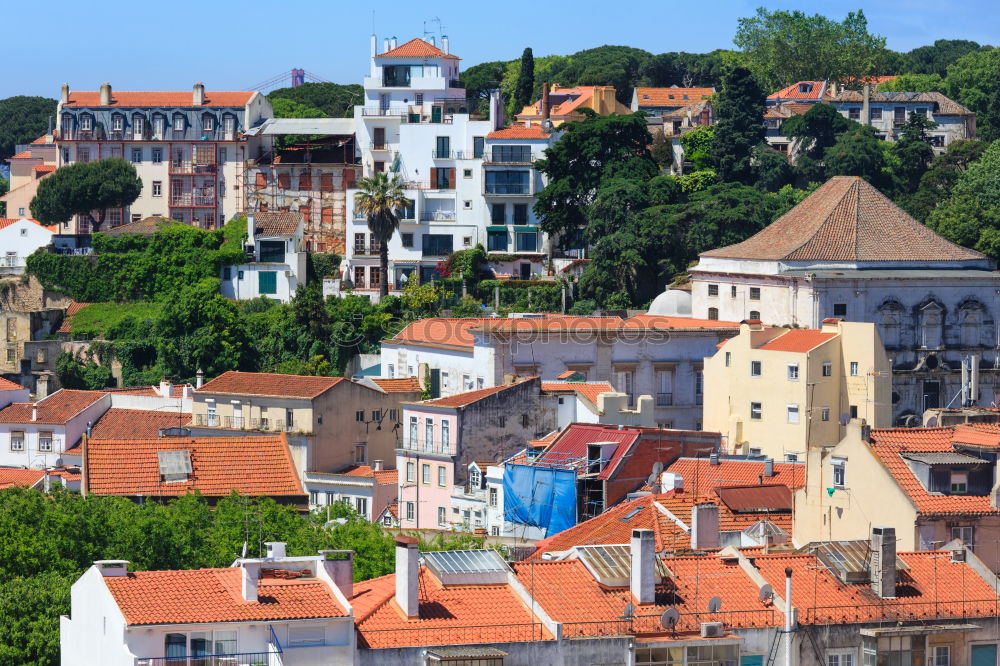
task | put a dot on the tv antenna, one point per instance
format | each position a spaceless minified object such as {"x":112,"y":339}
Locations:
{"x":440,"y":27}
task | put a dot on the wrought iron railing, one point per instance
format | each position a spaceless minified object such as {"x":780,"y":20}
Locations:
{"x":664,"y":399}
{"x":435,"y":445}
{"x":417,"y":636}
{"x":235,"y":659}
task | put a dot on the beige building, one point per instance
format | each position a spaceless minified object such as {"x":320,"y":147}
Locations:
{"x":933,"y":485}
{"x":781,"y":391}
{"x":331,"y":422}
{"x":27,"y":168}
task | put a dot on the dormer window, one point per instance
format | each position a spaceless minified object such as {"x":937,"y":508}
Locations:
{"x":229,"y":125}
{"x":138,"y":125}
{"x":117,"y":123}
{"x":208,"y":123}
{"x":475,"y":478}
{"x":805,"y":87}
{"x":178,"y":122}
{"x":86,"y":123}
{"x":959,"y":483}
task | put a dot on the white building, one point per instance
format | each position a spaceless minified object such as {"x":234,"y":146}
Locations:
{"x":18,"y":239}
{"x":47,"y":433}
{"x":368,"y":489}
{"x":848,"y":252}
{"x":278,"y":266}
{"x":470,"y":183}
{"x":244,"y":614}
{"x":188,"y":148}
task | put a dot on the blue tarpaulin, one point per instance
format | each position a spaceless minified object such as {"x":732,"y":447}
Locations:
{"x":539,"y":496}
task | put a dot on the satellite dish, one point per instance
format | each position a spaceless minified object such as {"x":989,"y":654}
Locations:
{"x":845,"y":418}
{"x":714,"y":605}
{"x":657,"y":468}
{"x":652,"y":480}
{"x":629,"y":611}
{"x":932,"y":422}
{"x":669,"y":618}
{"x":766,"y":593}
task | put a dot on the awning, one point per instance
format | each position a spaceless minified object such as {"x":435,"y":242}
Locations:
{"x":526,"y":229}
{"x":496,"y":229}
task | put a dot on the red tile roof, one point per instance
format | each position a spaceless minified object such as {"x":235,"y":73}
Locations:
{"x":792,"y":91}
{"x":67,"y":322}
{"x":570,"y":446}
{"x":276,"y":223}
{"x":416,"y":48}
{"x":403,"y":385}
{"x":7,"y":385}
{"x":798,"y":340}
{"x":215,"y":595}
{"x":846,"y":219}
{"x":126,"y":98}
{"x":118,"y":423}
{"x":44,"y":168}
{"x":253,"y":465}
{"x":10,"y":476}
{"x":23,"y":155}
{"x":447,"y":331}
{"x":660,"y":322}
{"x":519,"y":132}
{"x":270,"y":384}
{"x":468,"y":397}
{"x":56,"y":409}
{"x":7,"y":221}
{"x":382,"y":476}
{"x":701,"y":477}
{"x":943,"y":105}
{"x":40,"y":140}
{"x":589,"y":390}
{"x":453,"y":615}
{"x":671,"y":96}
{"x":754,"y":499}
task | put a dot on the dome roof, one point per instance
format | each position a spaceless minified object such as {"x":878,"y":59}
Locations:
{"x":674,"y":302}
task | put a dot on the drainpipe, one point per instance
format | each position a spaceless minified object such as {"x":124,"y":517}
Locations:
{"x":788,"y":616}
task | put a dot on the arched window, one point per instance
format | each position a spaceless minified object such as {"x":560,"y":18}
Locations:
{"x":754,"y":315}
{"x":713,"y":313}
{"x":971,"y":320}
{"x":931,"y":320}
{"x":890,"y":319}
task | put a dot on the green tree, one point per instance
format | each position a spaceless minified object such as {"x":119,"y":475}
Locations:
{"x":333,"y":99}
{"x":817,"y":129}
{"x":697,"y":145}
{"x":913,"y":150}
{"x":481,"y":80}
{"x":739,"y":127}
{"x":29,"y":618}
{"x":84,"y":187}
{"x":914,"y":83}
{"x":525,"y":84}
{"x":857,"y":152}
{"x":22,"y":120}
{"x":685,"y":70}
{"x":970,"y":216}
{"x":87,"y":374}
{"x":935,"y":59}
{"x":972,"y":81}
{"x":4,"y":188}
{"x":990,"y":117}
{"x":289,"y":108}
{"x":940,"y":178}
{"x":379,"y":198}
{"x":771,"y":169}
{"x":782,"y":47}
{"x":607,"y":65}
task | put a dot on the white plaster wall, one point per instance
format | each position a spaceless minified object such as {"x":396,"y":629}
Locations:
{"x":94,"y":631}
{"x":21,"y":238}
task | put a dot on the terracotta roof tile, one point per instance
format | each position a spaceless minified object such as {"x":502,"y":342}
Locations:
{"x":416,"y":48}
{"x":126,"y":98}
{"x":519,"y":132}
{"x":56,"y":409}
{"x":468,"y":397}
{"x":7,"y":385}
{"x":214,"y":595}
{"x":701,"y":477}
{"x":40,"y":140}
{"x":945,"y":105}
{"x":660,"y":322}
{"x":253,"y":465}
{"x":118,"y":423}
{"x":7,"y":221}
{"x":23,"y":155}
{"x":756,"y":498}
{"x":798,"y":340}
{"x":276,"y":223}
{"x":671,"y":96}
{"x":589,"y":390}
{"x":403,"y":385}
{"x":44,"y":168}
{"x":793,"y":92}
{"x":448,"y":331}
{"x":67,"y":322}
{"x":382,"y":476}
{"x":846,"y":219}
{"x":269,"y":384}
{"x":147,"y":226}
{"x":10,"y":476}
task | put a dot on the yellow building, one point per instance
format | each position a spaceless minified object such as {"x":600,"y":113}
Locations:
{"x":562,"y":105}
{"x":781,"y":391}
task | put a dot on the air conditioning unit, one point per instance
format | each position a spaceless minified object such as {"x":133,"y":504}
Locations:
{"x":712,"y":630}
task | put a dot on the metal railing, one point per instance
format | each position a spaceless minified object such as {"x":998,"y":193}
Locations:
{"x":900,"y":611}
{"x":192,"y":200}
{"x":185,"y":166}
{"x":438,"y":215}
{"x":524,"y":158}
{"x":379,"y":111}
{"x":418,"y":636}
{"x":272,"y":658}
{"x":379,"y":146}
{"x":506,"y":188}
{"x":241,"y":423}
{"x":687,"y":622}
{"x":435,"y":445}
{"x":8,"y":261}
{"x":367,"y":250}
{"x":664,"y":399}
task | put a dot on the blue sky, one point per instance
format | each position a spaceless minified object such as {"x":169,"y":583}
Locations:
{"x":233,"y":46}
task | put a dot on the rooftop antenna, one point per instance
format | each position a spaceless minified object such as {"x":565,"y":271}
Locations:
{"x":440,"y":27}
{"x":669,"y":619}
{"x":766,"y":593}
{"x":714,"y":605}
{"x":629,"y":612}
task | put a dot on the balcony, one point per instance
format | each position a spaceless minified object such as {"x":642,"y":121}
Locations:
{"x":507,"y":189}
{"x":192,"y":200}
{"x":438,"y":215}
{"x":664,"y":399}
{"x":241,"y":423}
{"x":236,"y":659}
{"x":379,"y":146}
{"x":451,"y":155}
{"x":377,"y":111}
{"x":367,"y":250}
{"x":426,"y":446}
{"x":180,"y":166}
{"x":522,"y":160}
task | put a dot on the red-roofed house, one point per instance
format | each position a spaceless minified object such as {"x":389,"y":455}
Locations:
{"x":11,"y":392}
{"x":700,"y":476}
{"x":46,"y":433}
{"x":781,"y":391}
{"x":19,"y":238}
{"x":27,"y":168}
{"x":657,"y":101}
{"x":187,"y":147}
{"x":564,"y":104}
{"x":804,"y":92}
{"x":271,"y":610}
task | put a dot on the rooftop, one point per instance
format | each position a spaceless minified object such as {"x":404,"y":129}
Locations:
{"x":11,"y":476}
{"x":469,"y":397}
{"x":276,"y":223}
{"x":701,"y":476}
{"x":381,"y":476}
{"x":7,"y":221}
{"x":56,"y":409}
{"x":671,"y":96}
{"x":534,"y":131}
{"x":402,"y":385}
{"x":798,"y":340}
{"x":119,"y":423}
{"x":589,"y":390}
{"x":416,"y":48}
{"x":147,"y":226}
{"x":446,"y":331}
{"x":269,"y":384}
{"x":181,"y":99}
{"x":7,"y":385}
{"x":795,"y":91}
{"x":945,"y":105}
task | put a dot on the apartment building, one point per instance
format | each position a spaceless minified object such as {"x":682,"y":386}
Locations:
{"x":780,"y":391}
{"x":887,"y":112}
{"x":28,"y":166}
{"x":188,"y":148}
{"x":48,"y":433}
{"x":275,"y":246}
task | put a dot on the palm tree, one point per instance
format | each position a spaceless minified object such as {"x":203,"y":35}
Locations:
{"x":379,"y":198}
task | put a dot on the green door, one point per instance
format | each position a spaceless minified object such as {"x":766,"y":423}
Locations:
{"x":435,"y":114}
{"x":984,"y":655}
{"x":752,"y":660}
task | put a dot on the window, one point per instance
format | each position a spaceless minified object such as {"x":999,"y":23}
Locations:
{"x":732,"y":291}
{"x":507,"y":182}
{"x":267,"y":282}
{"x":511,"y":154}
{"x":208,"y":123}
{"x":498,"y":213}
{"x":409,"y":511}
{"x":314,"y":497}
{"x":964,"y":534}
{"x":527,"y":242}
{"x":407,"y":239}
{"x":442,"y":178}
{"x":854,"y":113}
{"x":713,"y":290}
{"x":520,"y":213}
{"x":854,"y":368}
{"x":729,"y":358}
{"x":494,"y":531}
{"x":376,"y":415}
{"x":840,"y":659}
{"x":713,"y":314}
{"x":224,"y":157}
{"x":361,"y":505}
{"x":467,"y":240}
{"x":941,"y":655}
{"x":157,"y":188}
{"x":494,"y":497}
{"x":793,"y":372}
{"x":466,"y":173}
{"x":875,"y":113}
{"x":828,"y":369}
{"x":840,"y":309}
{"x":45,"y":441}
{"x":754,"y":293}
{"x":178,"y":122}
{"x":157,"y":155}
{"x":756,"y":411}
{"x":444,"y":380}
{"x":413,"y":432}
{"x":359,"y":416}
{"x":83,"y":154}
{"x":442,"y":515}
{"x":755,"y":369}
{"x":360,"y":453}
{"x":137,"y":154}
{"x":478,"y":146}
{"x":445,"y":434}
{"x":853,"y":411}
{"x":443,"y":148}
{"x":410,"y":471}
{"x":425,"y":474}
{"x":86,"y":123}
{"x":959,"y":483}
{"x":824,"y":414}
{"x":475,"y":478}
{"x":442,"y":476}
{"x":839,"y":466}
{"x":17,"y":440}
{"x":793,"y":413}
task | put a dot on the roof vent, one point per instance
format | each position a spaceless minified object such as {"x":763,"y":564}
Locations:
{"x":112,"y":568}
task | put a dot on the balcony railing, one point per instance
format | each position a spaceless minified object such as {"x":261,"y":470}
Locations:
{"x":437,"y":215}
{"x":379,"y":146}
{"x":187,"y":199}
{"x":507,"y":188}
{"x":182,"y":166}
{"x":235,"y":659}
{"x":8,"y":261}
{"x":427,"y":446}
{"x":367,"y":250}
{"x":664,"y":399}
{"x":241,"y":423}
{"x":508,"y":159}
{"x":451,"y":155}
{"x":379,"y":111}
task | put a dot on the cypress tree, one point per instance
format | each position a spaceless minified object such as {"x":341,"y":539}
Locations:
{"x":739,"y":112}
{"x":525,"y":83}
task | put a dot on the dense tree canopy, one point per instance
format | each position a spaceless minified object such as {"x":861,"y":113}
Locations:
{"x":944,"y":171}
{"x":22,"y":120}
{"x":83,"y":188}
{"x":685,"y":70}
{"x":738,"y":128}
{"x":935,"y":58}
{"x":524,"y":85}
{"x":972,"y":81}
{"x":333,"y":99}
{"x":970,"y":216}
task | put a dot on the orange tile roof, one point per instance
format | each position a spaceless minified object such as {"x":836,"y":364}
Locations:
{"x":468,"y":397}
{"x":44,"y":168}
{"x":792,"y":91}
{"x":453,"y":615}
{"x":159,"y":98}
{"x":269,"y":384}
{"x":701,"y":477}
{"x":10,"y":477}
{"x":403,"y":385}
{"x":382,"y":476}
{"x":416,"y":48}
{"x":276,"y":223}
{"x":7,"y":221}
{"x":23,"y":155}
{"x":40,"y":140}
{"x":448,"y":331}
{"x":577,"y":96}
{"x":671,"y":96}
{"x":7,"y":385}
{"x":67,"y":322}
{"x":589,"y":390}
{"x":534,"y":131}
{"x":56,"y":409}
{"x":846,"y":219}
{"x":798,"y":340}
{"x":887,"y":445}
{"x":215,"y":595}
{"x":252,"y":465}
{"x":119,"y":423}
{"x":659,"y":322}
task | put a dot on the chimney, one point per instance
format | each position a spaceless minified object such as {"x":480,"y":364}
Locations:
{"x":385,"y":45}
{"x":275,"y":549}
{"x":704,"y":526}
{"x":90,"y":429}
{"x":444,"y":43}
{"x":377,"y":465}
{"x":392,"y":42}
{"x":883,"y":565}
{"x":112,"y":568}
{"x":166,"y":388}
{"x":713,"y":459}
{"x":769,"y":467}
{"x":433,"y":41}
{"x":64,"y":96}
{"x":250,"y":575}
{"x":339,"y":566}
{"x":198,"y":94}
{"x":643,"y":567}
{"x":199,"y":378}
{"x":866,"y":98}
{"x":186,"y":392}
{"x":546,"y":107}
{"x":105,"y":94}
{"x":52,"y":123}
{"x":671,"y":481}
{"x":374,"y":46}
{"x":407,"y":576}
{"x":34,"y":411}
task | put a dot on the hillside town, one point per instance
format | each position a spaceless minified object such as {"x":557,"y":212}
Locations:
{"x":610,"y":358}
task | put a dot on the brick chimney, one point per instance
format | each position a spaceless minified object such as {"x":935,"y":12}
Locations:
{"x":198,"y":94}
{"x":546,"y":106}
{"x":407,"y":576}
{"x":105,"y":94}
{"x":643,"y":567}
